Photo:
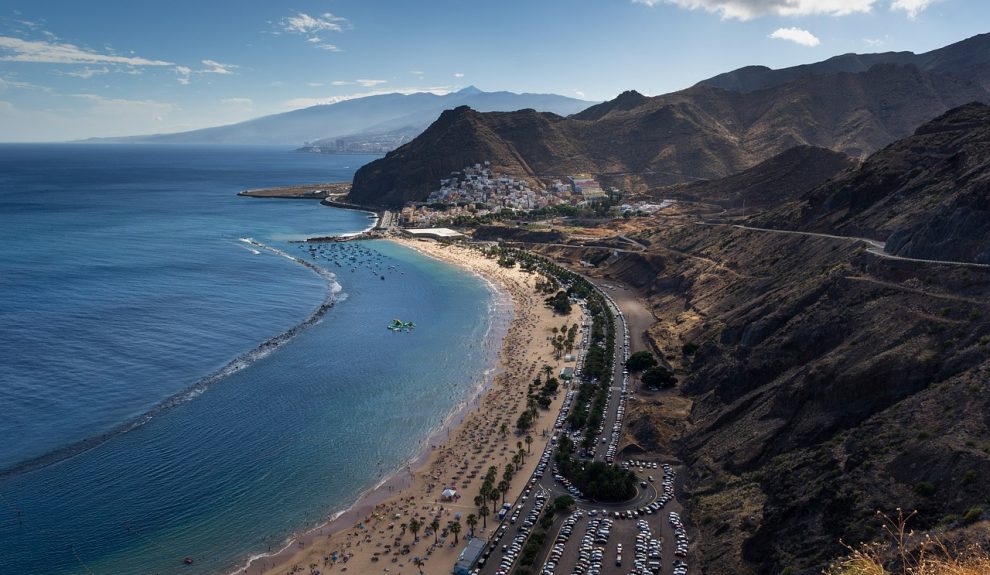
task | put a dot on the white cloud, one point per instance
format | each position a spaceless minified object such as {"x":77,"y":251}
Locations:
{"x":749,"y":9}
{"x":297,"y":103}
{"x":796,"y":35}
{"x":110,"y":107}
{"x":7,"y":83}
{"x":314,"y":39}
{"x":874,"y":42}
{"x":238,"y":101}
{"x":579,"y":93}
{"x":314,"y":84}
{"x":87,"y":72}
{"x":416,"y":72}
{"x":341,"y":83}
{"x":305,"y":24}
{"x":18,"y":50}
{"x":214,"y":67}
{"x":458,"y":75}
{"x":329,"y":47}
{"x":370,"y":83}
{"x":911,"y":7}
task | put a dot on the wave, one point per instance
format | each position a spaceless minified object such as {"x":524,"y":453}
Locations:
{"x":265,"y":348}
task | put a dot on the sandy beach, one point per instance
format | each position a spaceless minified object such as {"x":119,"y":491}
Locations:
{"x":371,"y":537}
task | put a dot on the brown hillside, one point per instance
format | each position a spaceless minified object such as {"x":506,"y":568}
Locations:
{"x":927,"y":195}
{"x":699,"y":133}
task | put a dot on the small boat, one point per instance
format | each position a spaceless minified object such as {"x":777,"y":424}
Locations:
{"x":398,"y":325}
{"x":188,"y":560}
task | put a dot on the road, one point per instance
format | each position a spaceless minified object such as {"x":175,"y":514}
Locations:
{"x":875,"y":247}
{"x":632,"y":320}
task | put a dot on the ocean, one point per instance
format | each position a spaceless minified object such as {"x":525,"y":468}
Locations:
{"x":146,"y":419}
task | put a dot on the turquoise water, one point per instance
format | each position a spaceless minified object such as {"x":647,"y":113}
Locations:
{"x":124,"y":283}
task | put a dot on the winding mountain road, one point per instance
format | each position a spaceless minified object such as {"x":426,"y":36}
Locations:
{"x":875,"y":247}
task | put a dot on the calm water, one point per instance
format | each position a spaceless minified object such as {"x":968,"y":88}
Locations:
{"x":124,"y":282}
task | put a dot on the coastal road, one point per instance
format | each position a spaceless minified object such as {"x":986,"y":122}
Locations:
{"x":631,"y":316}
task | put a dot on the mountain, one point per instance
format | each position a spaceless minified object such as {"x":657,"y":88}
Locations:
{"x":927,"y":195}
{"x":371,"y":115}
{"x":704,"y":132}
{"x":783,"y":178}
{"x":821,"y":382}
{"x":965,"y":59}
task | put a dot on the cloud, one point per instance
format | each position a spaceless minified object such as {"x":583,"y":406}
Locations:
{"x":305,"y":24}
{"x":314,"y":84}
{"x":911,"y":7}
{"x":183,"y":72}
{"x":796,"y":35}
{"x":370,"y":83}
{"x":111,"y":107}
{"x":329,"y":47}
{"x":87,"y":72}
{"x":874,"y":42}
{"x":18,"y":50}
{"x":416,"y":72}
{"x":214,"y":67}
{"x":579,"y":93}
{"x":749,"y":9}
{"x":296,"y":103}
{"x":7,"y":83}
{"x":238,"y":101}
{"x":458,"y":75}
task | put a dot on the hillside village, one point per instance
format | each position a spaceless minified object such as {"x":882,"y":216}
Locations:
{"x":478,"y":191}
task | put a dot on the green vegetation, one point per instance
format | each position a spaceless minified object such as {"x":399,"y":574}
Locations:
{"x":639,"y":361}
{"x":597,"y":480}
{"x":925,"y":489}
{"x":560,"y":303}
{"x":972,"y":515}
{"x":658,"y":377}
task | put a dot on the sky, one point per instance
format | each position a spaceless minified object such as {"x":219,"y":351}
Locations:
{"x":72,"y":69}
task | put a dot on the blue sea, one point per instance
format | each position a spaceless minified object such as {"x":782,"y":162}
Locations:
{"x":169,"y":389}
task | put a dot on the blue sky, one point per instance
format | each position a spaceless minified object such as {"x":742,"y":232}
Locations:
{"x":72,"y":69}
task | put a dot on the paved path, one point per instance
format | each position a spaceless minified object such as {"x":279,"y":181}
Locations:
{"x":875,"y":247}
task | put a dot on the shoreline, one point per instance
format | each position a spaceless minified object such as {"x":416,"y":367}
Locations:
{"x":412,"y":490}
{"x":401,"y":478}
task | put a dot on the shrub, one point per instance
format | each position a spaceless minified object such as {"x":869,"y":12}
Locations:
{"x":925,"y":489}
{"x":972,"y":515}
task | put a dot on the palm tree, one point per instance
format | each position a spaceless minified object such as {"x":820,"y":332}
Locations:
{"x":484,"y":512}
{"x":472,"y":522}
{"x":419,"y":564}
{"x":503,"y":429}
{"x":529,"y":443}
{"x":547,"y":370}
{"x":402,"y":526}
{"x":414,"y":526}
{"x":503,"y":488}
{"x":455,"y":528}
{"x":435,"y":526}
{"x":519,"y":445}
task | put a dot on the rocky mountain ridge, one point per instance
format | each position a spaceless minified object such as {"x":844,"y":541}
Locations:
{"x":701,"y":133}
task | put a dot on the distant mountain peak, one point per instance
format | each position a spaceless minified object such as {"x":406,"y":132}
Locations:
{"x":470,"y":91}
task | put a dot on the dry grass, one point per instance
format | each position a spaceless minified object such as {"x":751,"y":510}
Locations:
{"x":928,"y":556}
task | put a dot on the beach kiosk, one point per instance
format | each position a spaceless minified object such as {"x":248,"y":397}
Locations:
{"x":448,"y":494}
{"x":469,"y":556}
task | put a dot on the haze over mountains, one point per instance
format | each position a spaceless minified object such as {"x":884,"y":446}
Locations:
{"x":850,"y":104}
{"x":361,"y":118}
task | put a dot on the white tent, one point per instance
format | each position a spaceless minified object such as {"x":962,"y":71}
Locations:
{"x":448,"y":494}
